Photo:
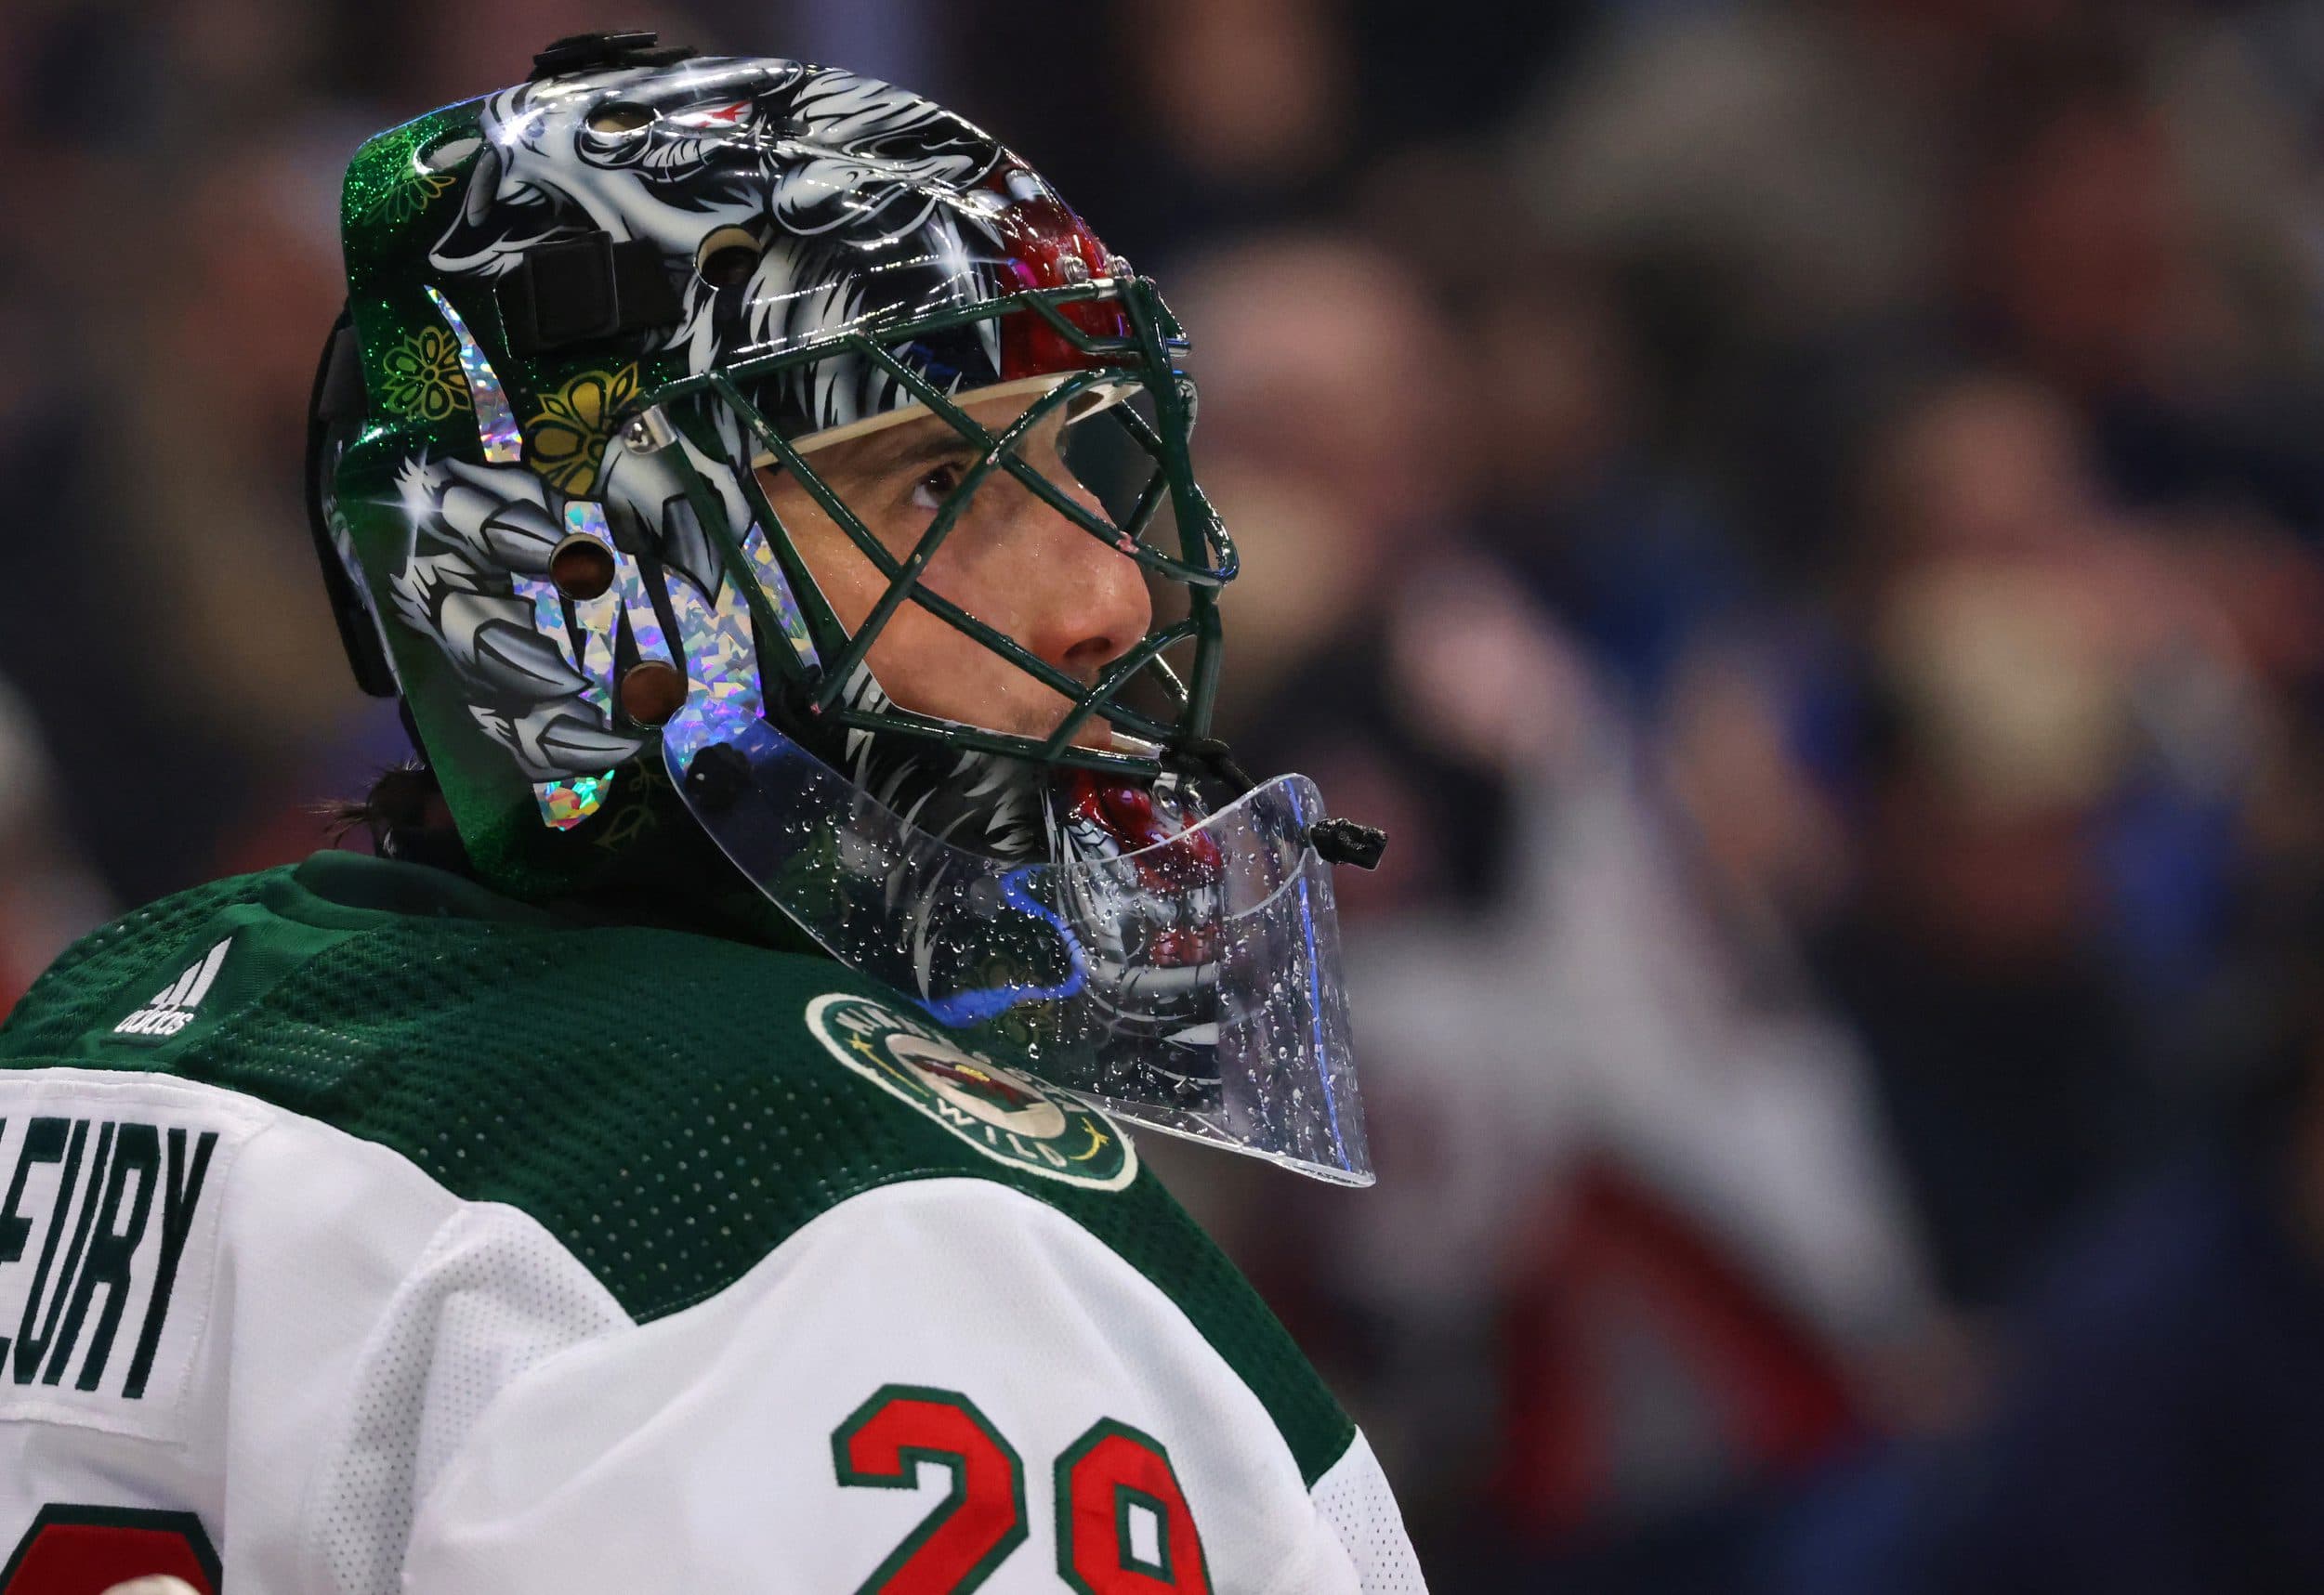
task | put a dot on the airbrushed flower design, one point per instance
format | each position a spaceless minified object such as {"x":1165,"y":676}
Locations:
{"x":566,"y":440}
{"x":416,"y":192}
{"x":401,"y":189}
{"x":422,"y":376}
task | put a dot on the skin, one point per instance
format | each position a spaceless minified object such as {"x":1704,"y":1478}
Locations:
{"x":1011,"y":560}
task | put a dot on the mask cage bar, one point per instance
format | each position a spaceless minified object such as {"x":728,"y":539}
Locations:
{"x":1208,"y":558}
{"x":902,"y":577}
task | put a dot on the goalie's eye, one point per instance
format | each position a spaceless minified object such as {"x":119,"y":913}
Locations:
{"x":938,"y":484}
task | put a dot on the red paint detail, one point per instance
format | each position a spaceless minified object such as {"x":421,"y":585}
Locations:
{"x":88,"y":1559}
{"x":1125,"y":811}
{"x":715,"y":116}
{"x":1181,"y":949}
{"x":1117,"y":1462}
{"x":1051,"y":247}
{"x":986,"y":1512}
{"x":982,"y":1083}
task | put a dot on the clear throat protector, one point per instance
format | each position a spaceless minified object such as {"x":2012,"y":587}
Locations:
{"x":1184,"y":976}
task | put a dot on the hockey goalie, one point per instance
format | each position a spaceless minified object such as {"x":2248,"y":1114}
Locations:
{"x":698,"y":1149}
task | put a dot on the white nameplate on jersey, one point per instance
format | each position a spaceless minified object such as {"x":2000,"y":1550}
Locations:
{"x":1010,"y":1118}
{"x":109,"y":1192}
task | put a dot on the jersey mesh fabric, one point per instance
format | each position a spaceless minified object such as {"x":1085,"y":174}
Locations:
{"x":492,"y":1297}
{"x":49,"y":1016}
{"x":1355,"y":1500}
{"x":652,"y":1098}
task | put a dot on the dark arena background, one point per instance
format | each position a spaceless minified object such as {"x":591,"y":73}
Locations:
{"x":1801,"y":519}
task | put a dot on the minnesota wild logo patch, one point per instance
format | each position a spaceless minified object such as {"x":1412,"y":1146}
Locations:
{"x":1009,"y":1117}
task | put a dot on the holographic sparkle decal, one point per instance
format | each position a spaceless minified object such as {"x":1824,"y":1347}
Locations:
{"x":720,"y":651}
{"x":495,"y":423}
{"x":596,"y":618}
{"x":722,"y":659}
{"x":566,"y":803}
{"x":777,"y":587}
{"x":645,"y":621}
{"x":477,"y":530}
{"x":549,"y":613}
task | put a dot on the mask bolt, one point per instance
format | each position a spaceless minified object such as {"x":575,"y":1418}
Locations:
{"x":581,"y":568}
{"x":645,"y":432}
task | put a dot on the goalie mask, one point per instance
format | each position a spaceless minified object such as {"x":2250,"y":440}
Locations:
{"x":602,"y":325}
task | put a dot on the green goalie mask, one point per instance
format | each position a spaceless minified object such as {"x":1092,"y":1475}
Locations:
{"x":591,"y":318}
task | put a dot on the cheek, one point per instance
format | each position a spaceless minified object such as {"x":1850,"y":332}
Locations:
{"x":963,"y":571}
{"x":916,"y":651}
{"x":923,"y":663}
{"x":849,"y":582}
{"x":919,"y":659}
{"x":981,"y":575}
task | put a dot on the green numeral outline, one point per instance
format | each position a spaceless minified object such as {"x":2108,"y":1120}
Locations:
{"x":1107,"y":1428}
{"x":1125,"y":1497}
{"x":906,"y":1476}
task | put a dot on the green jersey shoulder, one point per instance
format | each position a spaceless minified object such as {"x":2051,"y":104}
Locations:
{"x":670,"y":1106}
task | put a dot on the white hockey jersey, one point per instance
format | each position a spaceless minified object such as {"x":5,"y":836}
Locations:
{"x":362,"y":1232}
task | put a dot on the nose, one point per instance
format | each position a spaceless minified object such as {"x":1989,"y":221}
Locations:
{"x":1083,"y":603}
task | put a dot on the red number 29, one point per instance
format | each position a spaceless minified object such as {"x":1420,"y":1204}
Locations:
{"x":85,"y":1551}
{"x":1123,"y":1527}
{"x":976,"y":1528}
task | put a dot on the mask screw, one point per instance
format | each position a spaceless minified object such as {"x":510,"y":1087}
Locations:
{"x":581,"y":568}
{"x":652,"y":692}
{"x":644,"y":433}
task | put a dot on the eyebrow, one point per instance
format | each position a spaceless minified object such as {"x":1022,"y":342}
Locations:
{"x":880,"y":455}
{"x":915,"y":443}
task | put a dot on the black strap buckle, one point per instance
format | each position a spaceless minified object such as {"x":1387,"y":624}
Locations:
{"x":592,"y":52}
{"x":582,"y":288}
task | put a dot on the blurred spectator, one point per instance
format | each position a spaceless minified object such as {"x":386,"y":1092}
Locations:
{"x":2157,"y":1432}
{"x":1333,"y":433}
{"x":2031,"y":658}
{"x":1800,"y":516}
{"x":48,"y":897}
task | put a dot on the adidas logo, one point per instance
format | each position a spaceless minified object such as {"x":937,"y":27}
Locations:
{"x":173,"y":1007}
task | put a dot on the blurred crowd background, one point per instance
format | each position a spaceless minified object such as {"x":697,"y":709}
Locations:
{"x":1801,"y":517}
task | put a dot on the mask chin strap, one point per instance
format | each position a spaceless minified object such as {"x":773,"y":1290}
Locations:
{"x":1335,"y":841}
